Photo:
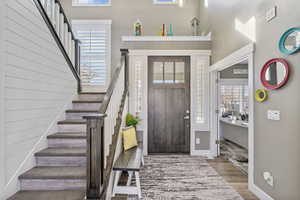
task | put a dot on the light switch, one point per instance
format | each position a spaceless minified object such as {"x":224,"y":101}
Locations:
{"x":274,"y":115}
{"x":197,"y":140}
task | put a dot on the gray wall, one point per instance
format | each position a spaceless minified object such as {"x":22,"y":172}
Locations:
{"x":2,"y":136}
{"x":124,"y":13}
{"x":228,"y":73}
{"x":277,"y":145}
{"x":36,"y":84}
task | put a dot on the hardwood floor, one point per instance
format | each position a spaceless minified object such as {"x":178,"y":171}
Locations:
{"x":233,"y":176}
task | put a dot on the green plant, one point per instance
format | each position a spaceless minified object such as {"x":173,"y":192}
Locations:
{"x":132,"y":120}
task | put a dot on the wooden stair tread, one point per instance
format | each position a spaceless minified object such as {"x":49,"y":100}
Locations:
{"x":59,"y":152}
{"x":72,"y":121}
{"x":49,"y":195}
{"x":81,"y":111}
{"x":96,"y":93}
{"x":55,"y":173}
{"x":66,"y":135}
{"x":87,"y":101}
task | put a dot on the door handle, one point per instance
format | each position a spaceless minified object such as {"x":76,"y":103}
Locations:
{"x":187,"y":117}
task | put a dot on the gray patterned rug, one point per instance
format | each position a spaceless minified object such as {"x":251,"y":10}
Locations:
{"x":183,"y":177}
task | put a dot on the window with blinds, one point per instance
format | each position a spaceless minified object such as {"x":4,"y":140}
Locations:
{"x":234,"y":97}
{"x":95,"y":51}
{"x":91,"y":2}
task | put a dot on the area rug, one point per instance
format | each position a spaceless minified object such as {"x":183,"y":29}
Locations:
{"x":168,"y":177}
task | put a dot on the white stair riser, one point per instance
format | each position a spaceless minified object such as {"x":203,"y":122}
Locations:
{"x":74,"y":161}
{"x":53,"y":184}
{"x":86,"y":106}
{"x":72,"y":128}
{"x":62,"y":142}
{"x":77,"y":115}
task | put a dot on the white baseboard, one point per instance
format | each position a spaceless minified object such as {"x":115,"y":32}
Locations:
{"x":29,"y":162}
{"x":205,"y":153}
{"x":259,"y":192}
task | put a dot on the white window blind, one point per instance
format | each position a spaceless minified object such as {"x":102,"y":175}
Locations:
{"x":234,"y":96}
{"x":95,"y":51}
{"x":91,"y":2}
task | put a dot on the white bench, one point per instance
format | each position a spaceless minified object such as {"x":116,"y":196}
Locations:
{"x":129,"y":161}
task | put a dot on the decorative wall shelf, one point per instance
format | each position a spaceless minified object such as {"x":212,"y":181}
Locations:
{"x":166,"y":38}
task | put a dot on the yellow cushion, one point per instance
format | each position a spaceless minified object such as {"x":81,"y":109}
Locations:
{"x":129,"y":138}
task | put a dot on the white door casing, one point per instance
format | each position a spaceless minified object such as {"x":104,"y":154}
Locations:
{"x":138,"y":90}
{"x":245,"y":53}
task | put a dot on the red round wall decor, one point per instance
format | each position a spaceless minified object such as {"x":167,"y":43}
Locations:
{"x":275,"y":73}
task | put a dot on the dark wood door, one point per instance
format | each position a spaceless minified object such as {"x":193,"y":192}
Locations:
{"x":169,"y":105}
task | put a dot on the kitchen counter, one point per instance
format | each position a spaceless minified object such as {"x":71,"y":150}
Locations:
{"x":234,"y":131}
{"x":239,"y":123}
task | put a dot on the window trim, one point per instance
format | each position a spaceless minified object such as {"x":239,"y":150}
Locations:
{"x":75,"y":4}
{"x":109,"y":50}
{"x":165,"y":3}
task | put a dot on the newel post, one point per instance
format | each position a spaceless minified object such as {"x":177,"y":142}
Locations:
{"x":95,"y":156}
{"x":77,"y":61}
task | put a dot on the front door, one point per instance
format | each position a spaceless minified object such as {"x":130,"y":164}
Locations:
{"x":169,"y":105}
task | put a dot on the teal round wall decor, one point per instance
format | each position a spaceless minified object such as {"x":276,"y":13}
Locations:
{"x":289,"y":42}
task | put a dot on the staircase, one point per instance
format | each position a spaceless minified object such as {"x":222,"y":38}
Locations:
{"x":60,"y":172}
{"x":78,"y":161}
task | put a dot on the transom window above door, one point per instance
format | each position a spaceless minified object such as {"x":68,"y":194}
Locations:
{"x":91,"y":2}
{"x":165,"y":1}
{"x":168,"y":72}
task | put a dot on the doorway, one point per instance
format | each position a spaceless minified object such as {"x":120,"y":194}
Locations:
{"x":233,"y":106}
{"x":169,"y":104}
{"x":244,"y":55}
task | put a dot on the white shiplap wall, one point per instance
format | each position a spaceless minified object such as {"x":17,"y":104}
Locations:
{"x":2,"y":172}
{"x":37,"y":83}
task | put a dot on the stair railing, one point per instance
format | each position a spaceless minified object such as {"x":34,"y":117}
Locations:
{"x":103,"y":130}
{"x":61,"y":30}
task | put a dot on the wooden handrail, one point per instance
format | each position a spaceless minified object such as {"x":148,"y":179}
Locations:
{"x":111,"y":88}
{"x":62,"y":11}
{"x":74,"y":69}
{"x":97,"y":174}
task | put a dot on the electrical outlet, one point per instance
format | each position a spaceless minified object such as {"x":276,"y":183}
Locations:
{"x":198,"y":141}
{"x":269,"y":178}
{"x":271,"y":14}
{"x":274,"y":115}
